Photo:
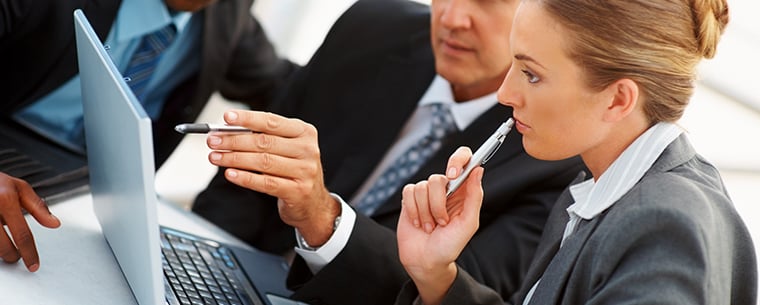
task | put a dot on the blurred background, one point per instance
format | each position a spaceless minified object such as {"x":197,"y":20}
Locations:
{"x":723,"y":119}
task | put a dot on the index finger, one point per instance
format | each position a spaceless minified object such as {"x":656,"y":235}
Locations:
{"x":36,"y":206}
{"x":265,"y":122}
{"x":457,"y":161}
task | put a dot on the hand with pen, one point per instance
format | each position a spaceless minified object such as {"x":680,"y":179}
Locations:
{"x":281,"y":158}
{"x":429,"y":256}
{"x":17,"y":195}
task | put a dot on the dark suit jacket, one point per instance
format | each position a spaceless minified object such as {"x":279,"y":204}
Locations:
{"x":674,"y":238}
{"x":359,"y":89}
{"x":38,"y":54}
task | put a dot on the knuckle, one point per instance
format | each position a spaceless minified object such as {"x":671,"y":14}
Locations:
{"x":309,"y":129}
{"x":9,"y":254}
{"x":309,"y":168}
{"x":270,"y":183}
{"x":24,"y":238}
{"x":271,"y":121}
{"x":264,"y":142}
{"x":266,"y":161}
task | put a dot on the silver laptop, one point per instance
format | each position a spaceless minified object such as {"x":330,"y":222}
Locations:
{"x":161,"y":265}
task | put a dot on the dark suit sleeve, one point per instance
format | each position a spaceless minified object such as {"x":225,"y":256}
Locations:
{"x":497,"y":256}
{"x":464,"y":290}
{"x":11,"y":12}
{"x":256,"y":73}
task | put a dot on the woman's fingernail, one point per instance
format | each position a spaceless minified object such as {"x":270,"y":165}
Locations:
{"x":441,"y":221}
{"x":416,"y":223}
{"x":451,"y":173}
{"x":215,"y":156}
{"x":428,"y":227}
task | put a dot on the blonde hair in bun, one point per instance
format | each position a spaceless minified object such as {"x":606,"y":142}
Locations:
{"x":710,"y":19}
{"x":655,"y":43}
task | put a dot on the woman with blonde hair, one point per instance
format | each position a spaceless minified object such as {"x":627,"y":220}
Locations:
{"x":606,"y":80}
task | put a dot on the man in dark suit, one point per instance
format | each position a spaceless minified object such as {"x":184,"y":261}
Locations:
{"x":368,"y":91}
{"x":217,"y":46}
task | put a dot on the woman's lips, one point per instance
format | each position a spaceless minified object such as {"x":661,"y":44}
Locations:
{"x":521,"y":127}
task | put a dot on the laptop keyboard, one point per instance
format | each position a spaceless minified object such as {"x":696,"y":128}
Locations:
{"x":200,"y":273}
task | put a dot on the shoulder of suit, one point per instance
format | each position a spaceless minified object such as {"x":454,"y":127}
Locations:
{"x":383,"y":17}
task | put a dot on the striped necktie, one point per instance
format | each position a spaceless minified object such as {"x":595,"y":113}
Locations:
{"x":409,"y":162}
{"x":146,"y":58}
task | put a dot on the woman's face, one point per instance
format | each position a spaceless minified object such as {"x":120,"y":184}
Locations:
{"x":557,"y":114}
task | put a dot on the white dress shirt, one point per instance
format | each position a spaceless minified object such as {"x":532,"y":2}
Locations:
{"x":416,"y":127}
{"x":593,"y":198}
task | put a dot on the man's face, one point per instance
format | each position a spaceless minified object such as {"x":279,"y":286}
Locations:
{"x":470,"y":41}
{"x":188,"y":5}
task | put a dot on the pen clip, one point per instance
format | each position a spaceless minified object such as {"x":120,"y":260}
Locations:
{"x":492,"y":152}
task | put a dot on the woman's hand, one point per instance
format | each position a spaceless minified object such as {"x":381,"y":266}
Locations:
{"x":433,"y":230}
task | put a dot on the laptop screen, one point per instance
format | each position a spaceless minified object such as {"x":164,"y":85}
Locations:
{"x":120,"y":157}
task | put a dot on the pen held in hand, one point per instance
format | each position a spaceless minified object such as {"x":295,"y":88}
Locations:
{"x":206,"y":128}
{"x":481,"y":156}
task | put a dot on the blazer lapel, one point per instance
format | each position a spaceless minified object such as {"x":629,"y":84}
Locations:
{"x":550,"y":241}
{"x":555,"y":277}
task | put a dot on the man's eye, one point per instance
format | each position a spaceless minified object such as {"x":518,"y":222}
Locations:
{"x":532,"y":78}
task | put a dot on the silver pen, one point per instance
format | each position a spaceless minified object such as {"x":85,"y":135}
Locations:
{"x":206,"y":128}
{"x":482,"y":155}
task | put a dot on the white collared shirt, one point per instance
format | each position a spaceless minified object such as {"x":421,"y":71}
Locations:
{"x":416,"y":127}
{"x":593,"y":198}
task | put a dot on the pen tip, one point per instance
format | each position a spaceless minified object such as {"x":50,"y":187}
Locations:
{"x":180,"y":128}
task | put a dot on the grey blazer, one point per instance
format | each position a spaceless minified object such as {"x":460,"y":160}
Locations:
{"x":674,"y":238}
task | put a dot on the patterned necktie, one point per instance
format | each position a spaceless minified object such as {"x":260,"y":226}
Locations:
{"x":409,"y":162}
{"x":146,"y":57}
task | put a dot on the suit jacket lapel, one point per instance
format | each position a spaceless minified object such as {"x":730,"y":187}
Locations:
{"x":555,"y":278}
{"x":550,"y":241}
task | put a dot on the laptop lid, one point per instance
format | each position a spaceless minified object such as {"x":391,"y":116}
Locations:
{"x":120,"y":157}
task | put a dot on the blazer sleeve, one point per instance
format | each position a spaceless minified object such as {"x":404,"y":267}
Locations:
{"x":497,"y":257}
{"x":671,"y":243}
{"x":256,"y":74}
{"x":464,"y":290}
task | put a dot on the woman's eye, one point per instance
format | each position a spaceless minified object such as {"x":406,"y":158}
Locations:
{"x":532,"y":78}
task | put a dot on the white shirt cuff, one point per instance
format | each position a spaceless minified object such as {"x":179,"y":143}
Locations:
{"x":317,"y":259}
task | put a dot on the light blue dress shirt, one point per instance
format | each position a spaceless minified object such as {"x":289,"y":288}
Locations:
{"x":58,"y":115}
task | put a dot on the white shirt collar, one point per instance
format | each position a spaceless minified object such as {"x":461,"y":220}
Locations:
{"x":591,"y":198}
{"x":464,"y":113}
{"x":139,"y":17}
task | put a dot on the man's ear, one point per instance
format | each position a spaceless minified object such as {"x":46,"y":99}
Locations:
{"x":622,"y":98}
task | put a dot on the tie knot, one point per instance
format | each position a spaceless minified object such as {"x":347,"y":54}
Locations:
{"x":443,"y":122}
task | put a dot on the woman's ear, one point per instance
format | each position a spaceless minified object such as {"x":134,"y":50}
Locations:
{"x":623,"y":97}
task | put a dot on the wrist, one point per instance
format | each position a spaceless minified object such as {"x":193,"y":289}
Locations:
{"x":303,"y":244}
{"x":434,"y":283}
{"x":319,"y":228}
